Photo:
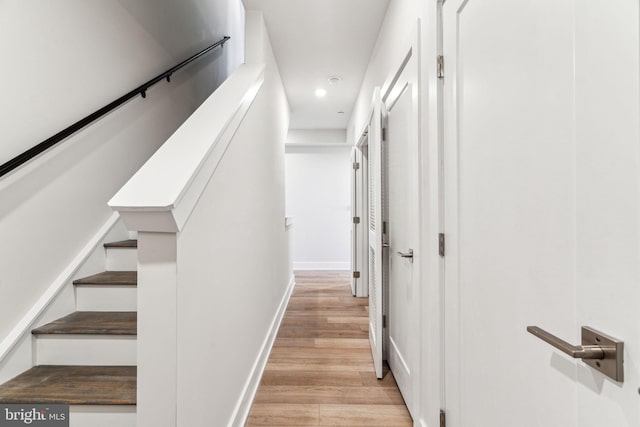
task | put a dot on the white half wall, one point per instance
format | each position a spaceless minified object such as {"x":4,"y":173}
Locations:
{"x":214,"y":276}
{"x":319,"y":200}
{"x":233,"y":263}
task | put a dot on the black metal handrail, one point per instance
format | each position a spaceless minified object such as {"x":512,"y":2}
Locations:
{"x":62,"y":135}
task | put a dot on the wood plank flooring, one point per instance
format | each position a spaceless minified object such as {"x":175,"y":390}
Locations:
{"x":320,"y":371}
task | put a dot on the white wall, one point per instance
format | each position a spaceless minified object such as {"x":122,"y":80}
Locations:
{"x":401,"y":19}
{"x":71,"y":57}
{"x":317,"y":136}
{"x":319,"y":200}
{"x":61,"y":61}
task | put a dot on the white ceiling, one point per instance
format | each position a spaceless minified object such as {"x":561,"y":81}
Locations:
{"x":315,"y":39}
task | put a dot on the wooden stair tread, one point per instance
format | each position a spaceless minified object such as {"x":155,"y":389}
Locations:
{"x":128,"y":278}
{"x":72,"y":385}
{"x":131,"y":243}
{"x":92,"y":323}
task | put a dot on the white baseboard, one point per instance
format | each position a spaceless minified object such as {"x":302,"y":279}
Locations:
{"x":321,"y":265}
{"x":243,"y":407}
{"x":26,"y":323}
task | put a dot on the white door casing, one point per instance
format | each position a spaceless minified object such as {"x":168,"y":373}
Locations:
{"x":362,"y":212}
{"x":400,"y":110}
{"x":355,"y":227}
{"x":376,"y":252}
{"x":542,"y":208}
{"x":607,"y":114}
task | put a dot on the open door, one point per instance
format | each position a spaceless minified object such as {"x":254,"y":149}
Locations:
{"x":542,"y":208}
{"x":377,"y":253}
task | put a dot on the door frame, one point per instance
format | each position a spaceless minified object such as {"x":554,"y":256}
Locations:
{"x":389,"y":90}
{"x":362,"y":203}
{"x":355,"y":229}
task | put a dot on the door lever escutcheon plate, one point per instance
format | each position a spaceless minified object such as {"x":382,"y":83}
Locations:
{"x":613,"y":363}
{"x":600,"y":351}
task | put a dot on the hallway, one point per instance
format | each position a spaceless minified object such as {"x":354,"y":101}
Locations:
{"x":320,"y":371}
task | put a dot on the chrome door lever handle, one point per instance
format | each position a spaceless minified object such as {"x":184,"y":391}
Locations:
{"x":406,"y":254}
{"x":598,"y":350}
{"x":575,"y":351}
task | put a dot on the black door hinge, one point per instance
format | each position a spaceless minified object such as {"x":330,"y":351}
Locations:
{"x":440,"y":66}
{"x":443,"y":418}
{"x":441,"y":244}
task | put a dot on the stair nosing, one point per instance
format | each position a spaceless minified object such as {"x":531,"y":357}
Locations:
{"x":122,"y":244}
{"x":98,"y":279}
{"x":95,"y":333}
{"x":31,"y":381}
{"x":57,"y":327}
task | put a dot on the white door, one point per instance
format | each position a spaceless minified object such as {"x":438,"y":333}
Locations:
{"x":401,"y":156}
{"x":376,"y":253}
{"x":542,"y":209}
{"x":355,"y":226}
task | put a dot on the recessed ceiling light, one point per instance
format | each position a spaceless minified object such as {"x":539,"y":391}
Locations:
{"x":334,"y":80}
{"x":320,"y":92}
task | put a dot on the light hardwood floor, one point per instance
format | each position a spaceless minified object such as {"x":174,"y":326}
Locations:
{"x":320,"y":372}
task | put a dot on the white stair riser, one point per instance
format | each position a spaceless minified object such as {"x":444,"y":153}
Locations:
{"x":86,"y":350}
{"x":106,"y":298}
{"x":102,"y":416}
{"x":122,"y":259}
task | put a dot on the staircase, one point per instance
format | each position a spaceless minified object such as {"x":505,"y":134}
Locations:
{"x":87,"y":359}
